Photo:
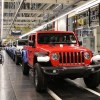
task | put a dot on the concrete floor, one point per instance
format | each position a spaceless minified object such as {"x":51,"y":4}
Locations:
{"x":15,"y":86}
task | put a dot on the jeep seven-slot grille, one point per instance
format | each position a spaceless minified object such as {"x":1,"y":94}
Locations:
{"x":71,"y":57}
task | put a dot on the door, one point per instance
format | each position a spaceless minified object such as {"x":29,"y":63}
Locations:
{"x":31,"y":51}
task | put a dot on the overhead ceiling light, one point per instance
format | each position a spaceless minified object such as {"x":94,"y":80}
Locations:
{"x":87,"y":5}
{"x":2,"y":11}
{"x":75,"y":11}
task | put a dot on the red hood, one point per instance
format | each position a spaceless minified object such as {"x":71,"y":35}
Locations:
{"x":62,"y":48}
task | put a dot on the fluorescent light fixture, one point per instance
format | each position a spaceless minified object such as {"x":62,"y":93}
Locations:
{"x":2,"y":18}
{"x":87,"y":5}
{"x":95,"y":6}
{"x":75,"y":11}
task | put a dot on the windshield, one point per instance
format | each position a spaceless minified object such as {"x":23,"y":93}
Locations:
{"x":22,"y":42}
{"x":56,"y":38}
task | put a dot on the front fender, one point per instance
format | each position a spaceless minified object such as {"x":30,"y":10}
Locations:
{"x":24,"y":56}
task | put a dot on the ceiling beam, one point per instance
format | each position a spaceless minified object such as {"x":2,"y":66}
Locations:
{"x":21,"y":23}
{"x":24,"y":18}
{"x":52,"y":1}
{"x":67,"y":2}
{"x":9,"y":0}
{"x":15,"y":25}
{"x":29,"y":11}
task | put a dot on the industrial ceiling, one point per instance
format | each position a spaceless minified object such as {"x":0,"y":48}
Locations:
{"x":26,"y":15}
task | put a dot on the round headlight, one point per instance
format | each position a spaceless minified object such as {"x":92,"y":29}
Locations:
{"x":55,"y":56}
{"x":87,"y":55}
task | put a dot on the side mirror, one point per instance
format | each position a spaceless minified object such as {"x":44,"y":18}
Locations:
{"x":31,"y":43}
{"x":80,"y":43}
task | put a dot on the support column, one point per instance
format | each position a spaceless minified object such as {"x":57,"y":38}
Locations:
{"x":89,"y":17}
{"x":67,"y":23}
{"x":99,"y":14}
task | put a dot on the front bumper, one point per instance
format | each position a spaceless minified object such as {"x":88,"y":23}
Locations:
{"x":77,"y":71}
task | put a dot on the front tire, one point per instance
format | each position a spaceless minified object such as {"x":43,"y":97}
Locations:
{"x":93,"y":80}
{"x":25,"y":68}
{"x":40,"y":80}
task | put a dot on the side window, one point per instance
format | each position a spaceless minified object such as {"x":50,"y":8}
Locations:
{"x":33,"y":39}
{"x":29,"y":38}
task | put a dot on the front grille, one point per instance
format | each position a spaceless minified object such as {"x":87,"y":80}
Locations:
{"x":71,"y":57}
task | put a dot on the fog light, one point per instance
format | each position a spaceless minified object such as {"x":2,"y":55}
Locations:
{"x":92,"y":69}
{"x":54,"y":71}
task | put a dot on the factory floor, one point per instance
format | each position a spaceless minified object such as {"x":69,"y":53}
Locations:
{"x":15,"y":86}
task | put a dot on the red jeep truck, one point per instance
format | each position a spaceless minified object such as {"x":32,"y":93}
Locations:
{"x":58,"y":54}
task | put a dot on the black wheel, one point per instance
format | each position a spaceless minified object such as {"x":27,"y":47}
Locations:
{"x":93,"y":80}
{"x":39,"y":79}
{"x":25,"y":68}
{"x":16,"y":60}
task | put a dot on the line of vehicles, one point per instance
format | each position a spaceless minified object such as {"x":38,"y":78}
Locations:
{"x":14,"y":49}
{"x":55,"y":55}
